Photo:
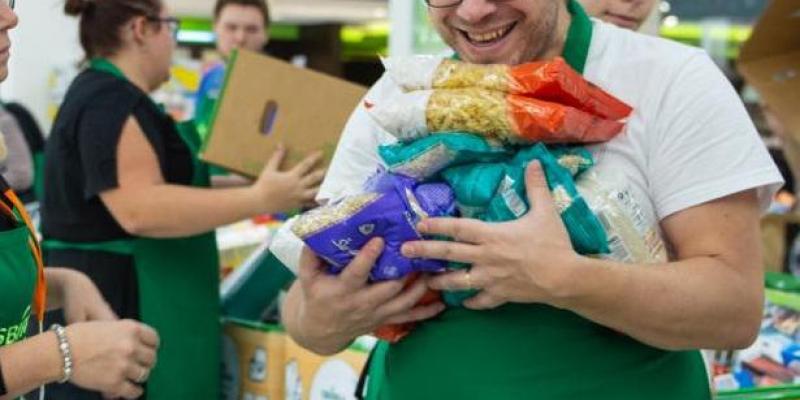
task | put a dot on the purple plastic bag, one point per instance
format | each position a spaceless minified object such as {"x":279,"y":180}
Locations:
{"x":390,"y":208}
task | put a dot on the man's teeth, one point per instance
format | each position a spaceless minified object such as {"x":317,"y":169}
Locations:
{"x":487,"y":37}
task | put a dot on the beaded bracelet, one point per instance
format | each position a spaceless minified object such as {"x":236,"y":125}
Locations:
{"x":66,"y":352}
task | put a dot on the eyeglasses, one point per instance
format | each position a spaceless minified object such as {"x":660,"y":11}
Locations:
{"x":443,"y":3}
{"x":173,"y":24}
{"x":446,"y":3}
{"x":9,"y":3}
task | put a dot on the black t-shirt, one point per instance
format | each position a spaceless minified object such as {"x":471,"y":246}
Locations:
{"x":81,"y":155}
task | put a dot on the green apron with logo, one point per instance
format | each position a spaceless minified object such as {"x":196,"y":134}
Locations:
{"x":179,"y":294}
{"x":532,"y":351}
{"x":17,"y":283}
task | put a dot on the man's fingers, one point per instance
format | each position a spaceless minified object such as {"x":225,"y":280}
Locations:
{"x":483,"y":301}
{"x":539,"y":196}
{"x":404,"y":302}
{"x":460,"y":229}
{"x":420,"y":313}
{"x":357,"y":272}
{"x":458,"y":280}
{"x":442,"y":250}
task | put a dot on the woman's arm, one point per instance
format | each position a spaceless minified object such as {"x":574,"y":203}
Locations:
{"x":145,"y":205}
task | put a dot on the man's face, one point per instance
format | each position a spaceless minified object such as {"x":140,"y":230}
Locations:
{"x":498,"y":31}
{"x":240,"y":27}
{"x":8,"y":20}
{"x":629,"y":14}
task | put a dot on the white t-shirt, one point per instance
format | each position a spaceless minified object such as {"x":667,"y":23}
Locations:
{"x":689,"y":140}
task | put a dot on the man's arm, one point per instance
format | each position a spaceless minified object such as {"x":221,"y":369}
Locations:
{"x":710,"y":297}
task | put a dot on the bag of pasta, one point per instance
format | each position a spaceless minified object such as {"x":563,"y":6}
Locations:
{"x":553,"y":81}
{"x":510,"y":118}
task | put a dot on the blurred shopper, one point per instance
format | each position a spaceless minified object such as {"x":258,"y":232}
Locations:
{"x":238,"y":24}
{"x":34,"y":140}
{"x":628,"y":14}
{"x":95,"y":351}
{"x":126,"y":199}
{"x":17,"y":168}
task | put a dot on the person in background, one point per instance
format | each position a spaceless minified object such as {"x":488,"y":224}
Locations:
{"x":18,"y":167}
{"x":549,"y":323}
{"x":34,"y":138}
{"x":238,"y":24}
{"x":128,"y":203}
{"x":95,"y":350}
{"x":628,"y":14}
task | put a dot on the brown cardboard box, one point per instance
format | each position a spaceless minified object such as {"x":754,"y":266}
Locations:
{"x":266,"y":101}
{"x":770,"y":61}
{"x":312,"y":377}
{"x":253,"y":359}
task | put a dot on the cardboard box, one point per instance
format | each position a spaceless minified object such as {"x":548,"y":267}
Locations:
{"x":770,"y":61}
{"x":253,"y":359}
{"x":312,"y":377}
{"x":266,"y":101}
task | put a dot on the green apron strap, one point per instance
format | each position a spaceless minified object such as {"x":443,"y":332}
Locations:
{"x":579,"y":37}
{"x":124,"y":247}
{"x":38,"y":175}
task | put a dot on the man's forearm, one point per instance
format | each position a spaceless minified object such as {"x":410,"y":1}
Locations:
{"x":689,"y":304}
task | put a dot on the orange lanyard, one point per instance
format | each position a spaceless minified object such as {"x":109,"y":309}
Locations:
{"x":40,"y":294}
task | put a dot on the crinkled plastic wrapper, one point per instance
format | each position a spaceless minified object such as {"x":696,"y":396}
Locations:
{"x":390,"y":209}
{"x":553,"y":81}
{"x":510,"y":118}
{"x":632,"y":237}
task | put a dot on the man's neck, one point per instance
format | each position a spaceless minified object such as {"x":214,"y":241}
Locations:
{"x":559,"y":38}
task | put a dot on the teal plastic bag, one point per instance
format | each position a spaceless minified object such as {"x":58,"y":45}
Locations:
{"x":489,"y":183}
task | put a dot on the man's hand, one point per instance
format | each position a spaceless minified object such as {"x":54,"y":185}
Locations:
{"x":330,"y":311}
{"x":529,"y":260}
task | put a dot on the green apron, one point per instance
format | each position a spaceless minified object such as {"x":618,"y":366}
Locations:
{"x":179,"y":294}
{"x":532,"y":351}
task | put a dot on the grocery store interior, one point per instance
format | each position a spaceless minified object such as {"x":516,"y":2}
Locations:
{"x":348,"y":40}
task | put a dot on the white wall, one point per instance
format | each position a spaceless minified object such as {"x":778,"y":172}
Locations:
{"x":44,"y":39}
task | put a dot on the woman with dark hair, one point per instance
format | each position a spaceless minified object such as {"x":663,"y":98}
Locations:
{"x":95,"y":351}
{"x":127,"y":202}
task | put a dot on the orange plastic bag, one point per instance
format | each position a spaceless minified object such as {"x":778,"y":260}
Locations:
{"x":510,"y":118}
{"x":553,"y":81}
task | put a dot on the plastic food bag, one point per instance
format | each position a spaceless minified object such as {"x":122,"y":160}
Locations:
{"x":631,"y":237}
{"x":495,"y":192}
{"x":553,"y":81}
{"x":507,"y":117}
{"x":390,"y":208}
{"x":423,"y":159}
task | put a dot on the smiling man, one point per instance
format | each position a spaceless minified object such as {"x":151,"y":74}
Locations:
{"x":549,"y":323}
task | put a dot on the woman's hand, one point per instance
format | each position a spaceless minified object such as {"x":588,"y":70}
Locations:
{"x":529,"y":260}
{"x":281,"y":191}
{"x":78,"y":296}
{"x":114,"y":358}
